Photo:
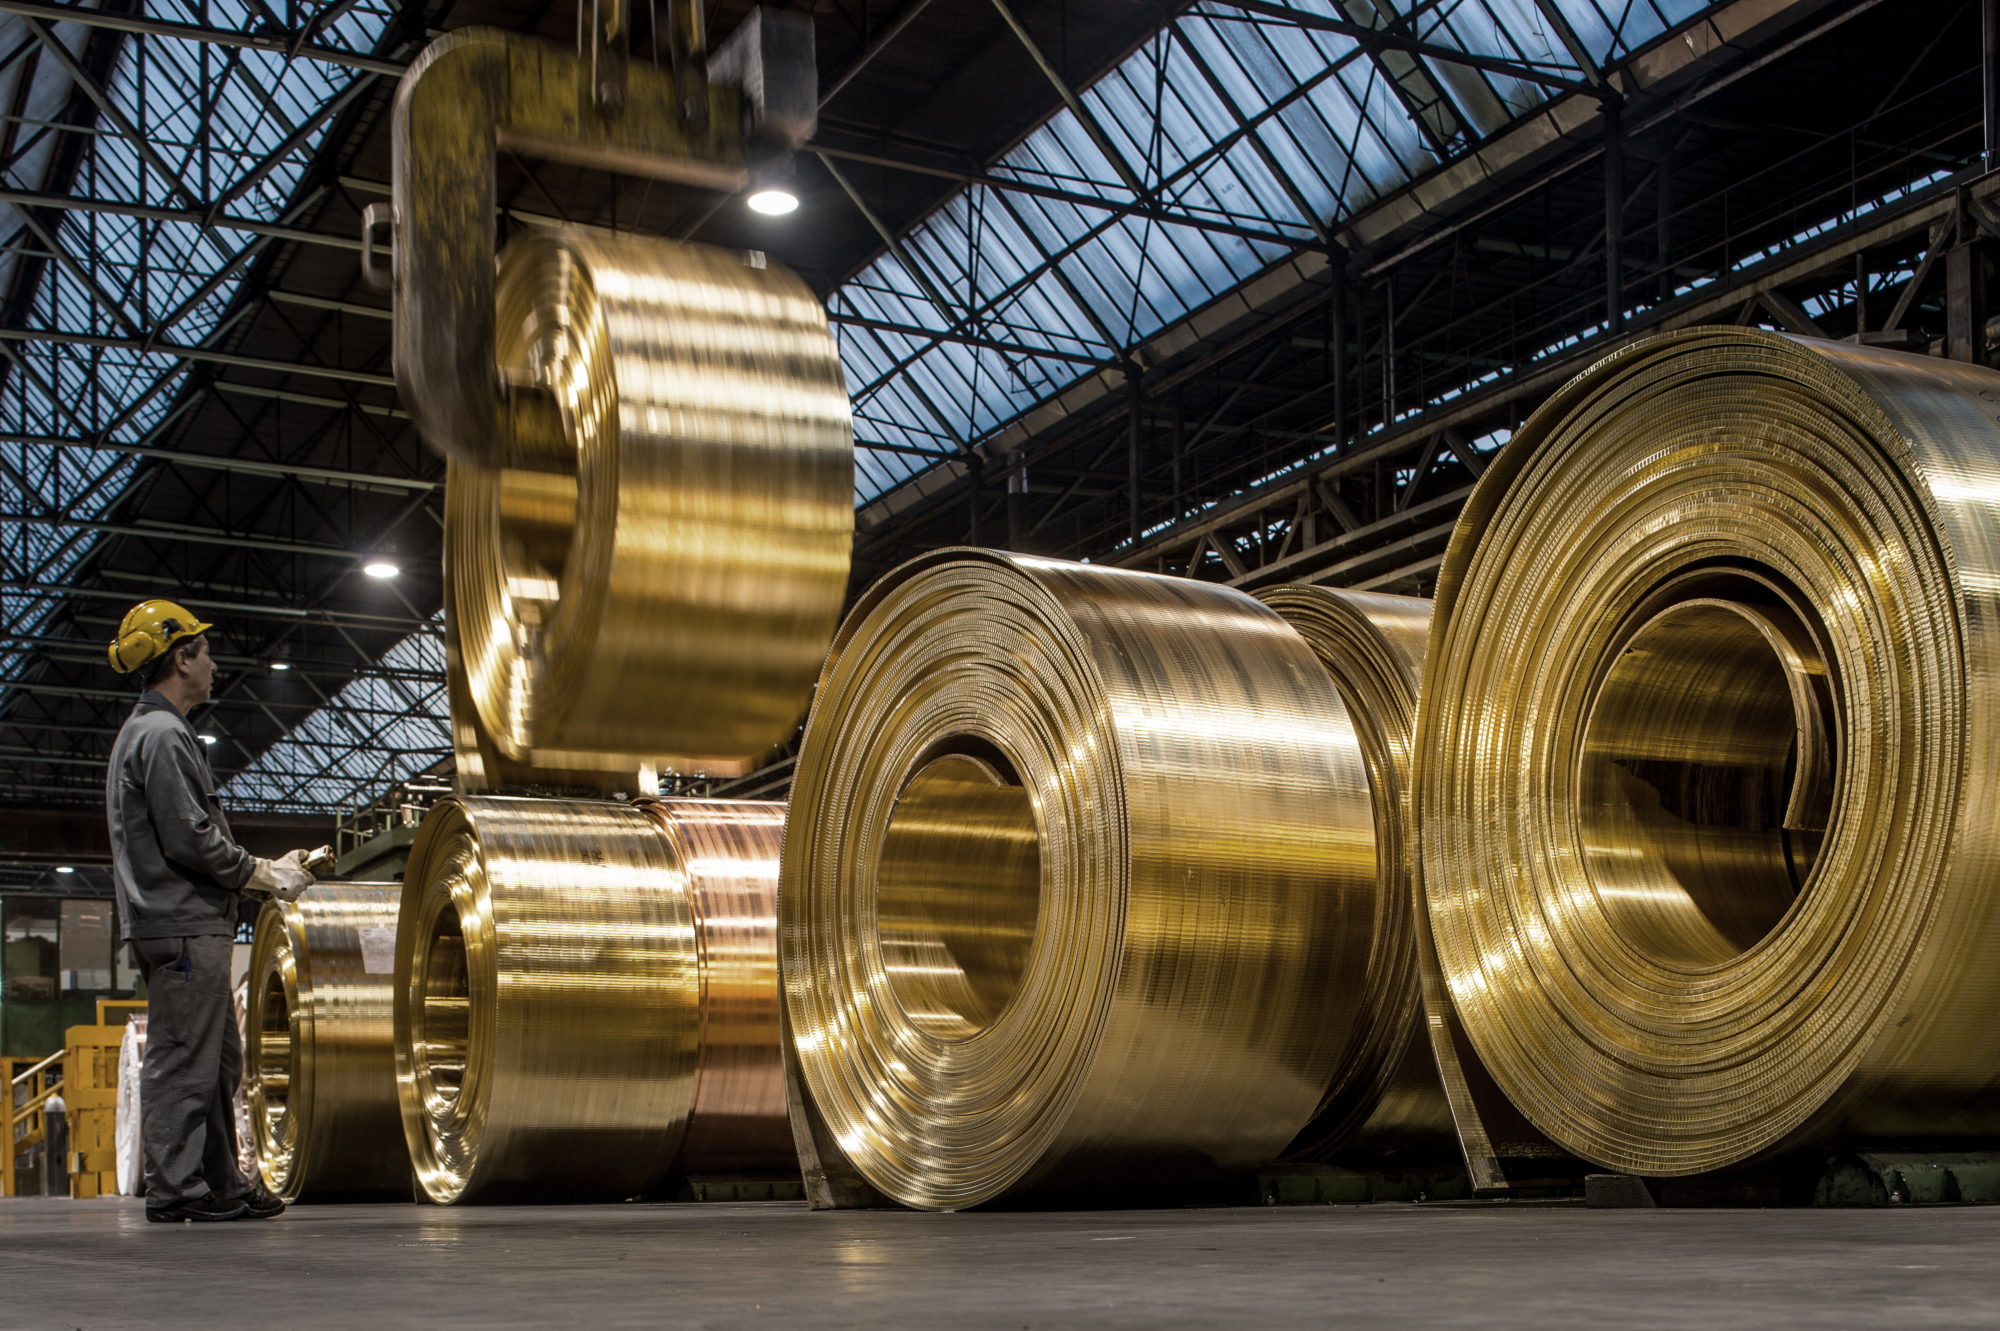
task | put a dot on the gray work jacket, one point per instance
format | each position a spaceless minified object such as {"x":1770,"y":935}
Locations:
{"x":176,"y":865}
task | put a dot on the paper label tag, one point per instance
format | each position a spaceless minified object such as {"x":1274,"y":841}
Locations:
{"x":378,"y":950}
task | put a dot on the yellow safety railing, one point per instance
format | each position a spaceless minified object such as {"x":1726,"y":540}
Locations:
{"x":126,"y":1005}
{"x":27,"y":1092}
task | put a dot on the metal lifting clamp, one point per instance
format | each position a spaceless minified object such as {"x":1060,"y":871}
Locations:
{"x":708,"y":120}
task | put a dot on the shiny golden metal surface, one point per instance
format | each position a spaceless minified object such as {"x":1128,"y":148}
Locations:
{"x":1078,"y":862}
{"x":320,"y":1072}
{"x":1706,"y":762}
{"x":728,"y":851}
{"x":549,"y":997}
{"x":677,"y":504}
{"x":1385,"y":1097}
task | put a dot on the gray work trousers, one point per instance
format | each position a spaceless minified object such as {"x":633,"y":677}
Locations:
{"x":187,"y":1087}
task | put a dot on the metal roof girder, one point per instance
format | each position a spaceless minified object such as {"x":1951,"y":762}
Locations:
{"x":105,"y":104}
{"x":1257,"y":144}
{"x":96,"y":18}
{"x":1071,"y":100}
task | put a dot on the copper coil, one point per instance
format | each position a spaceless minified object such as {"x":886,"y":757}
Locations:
{"x":728,"y":850}
{"x":320,"y":1069}
{"x":1078,"y":861}
{"x":1385,"y":1098}
{"x":679,"y":504}
{"x":552,"y":959}
{"x":1705,"y":759}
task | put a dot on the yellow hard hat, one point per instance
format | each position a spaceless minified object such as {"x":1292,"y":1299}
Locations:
{"x":149,"y":629}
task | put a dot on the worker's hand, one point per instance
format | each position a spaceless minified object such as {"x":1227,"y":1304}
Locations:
{"x":282,"y":878}
{"x":297,"y":877}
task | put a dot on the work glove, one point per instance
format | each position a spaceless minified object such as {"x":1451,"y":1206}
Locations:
{"x":285,"y":878}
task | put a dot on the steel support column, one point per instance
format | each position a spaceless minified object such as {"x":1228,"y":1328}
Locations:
{"x":975,"y":477}
{"x":1989,"y":13}
{"x":1965,"y":302}
{"x":1017,"y":506}
{"x":1135,"y":404}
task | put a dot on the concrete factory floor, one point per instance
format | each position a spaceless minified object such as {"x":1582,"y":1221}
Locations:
{"x":98,"y":1265}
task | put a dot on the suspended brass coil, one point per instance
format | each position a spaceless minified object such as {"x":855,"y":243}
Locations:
{"x":1078,"y":861}
{"x":680,"y":506}
{"x":320,"y":1072}
{"x":1385,"y":1091}
{"x":549,"y":1027}
{"x":1707,"y":754}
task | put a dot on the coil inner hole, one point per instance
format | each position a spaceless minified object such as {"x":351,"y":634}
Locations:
{"x":1706,"y":777}
{"x":958,"y":893}
{"x":535,"y":492}
{"x":442,"y":1030}
{"x":274,"y":1053}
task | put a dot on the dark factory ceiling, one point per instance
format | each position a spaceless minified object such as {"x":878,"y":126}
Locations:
{"x":1215,"y":246}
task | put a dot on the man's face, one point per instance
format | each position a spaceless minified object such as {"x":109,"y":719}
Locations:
{"x":197,"y":667}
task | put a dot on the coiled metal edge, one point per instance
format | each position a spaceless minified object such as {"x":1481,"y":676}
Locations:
{"x":320,"y":1071}
{"x":680,"y":506}
{"x":1077,"y":859}
{"x":729,"y":851}
{"x":1385,"y":1099}
{"x":1706,"y":756}
{"x":549,"y":997}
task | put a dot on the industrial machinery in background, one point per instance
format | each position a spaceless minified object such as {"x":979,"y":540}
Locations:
{"x":371,"y":842}
{"x":649,"y":511}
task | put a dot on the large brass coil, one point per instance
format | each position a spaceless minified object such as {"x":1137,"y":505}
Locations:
{"x":320,"y":1069}
{"x":679,"y":506}
{"x":1385,"y":1096}
{"x":1078,"y":862}
{"x":1706,"y":758}
{"x":549,"y":997}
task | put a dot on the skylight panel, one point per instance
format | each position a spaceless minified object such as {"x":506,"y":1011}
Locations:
{"x":144,"y":275}
{"x":1344,"y":125}
{"x":341,"y":755}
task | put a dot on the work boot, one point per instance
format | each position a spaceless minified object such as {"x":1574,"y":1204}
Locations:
{"x":263,"y":1204}
{"x":195,"y":1208}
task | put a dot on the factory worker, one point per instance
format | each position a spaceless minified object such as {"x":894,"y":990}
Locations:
{"x":181,"y":878}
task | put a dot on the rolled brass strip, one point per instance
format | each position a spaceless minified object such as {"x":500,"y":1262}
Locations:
{"x":678,"y":504}
{"x":1707,"y":755}
{"x":728,"y":850}
{"x":320,"y":1072}
{"x":1078,"y":858}
{"x":550,"y":1032}
{"x":1385,"y":1098}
